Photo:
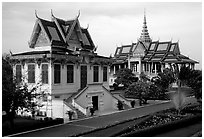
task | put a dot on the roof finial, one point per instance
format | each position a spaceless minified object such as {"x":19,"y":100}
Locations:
{"x":78,"y":14}
{"x":87,"y":26}
{"x":36,"y":14}
{"x":52,"y":13}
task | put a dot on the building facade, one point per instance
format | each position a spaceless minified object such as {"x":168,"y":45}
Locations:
{"x":149,"y":57}
{"x":64,"y":62}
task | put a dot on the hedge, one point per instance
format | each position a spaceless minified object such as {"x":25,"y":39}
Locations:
{"x":151,"y":131}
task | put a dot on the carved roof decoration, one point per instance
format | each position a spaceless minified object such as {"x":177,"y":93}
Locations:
{"x":165,"y":52}
{"x":59,"y":32}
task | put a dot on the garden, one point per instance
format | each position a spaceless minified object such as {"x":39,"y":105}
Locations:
{"x":164,"y":121}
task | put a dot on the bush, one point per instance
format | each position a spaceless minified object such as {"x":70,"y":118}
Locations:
{"x":120,"y":105}
{"x":151,"y":131}
{"x":92,"y":110}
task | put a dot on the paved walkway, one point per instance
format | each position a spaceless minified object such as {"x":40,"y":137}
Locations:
{"x":76,"y":127}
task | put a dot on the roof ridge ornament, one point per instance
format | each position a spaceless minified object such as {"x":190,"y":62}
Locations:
{"x":87,"y":26}
{"x":36,"y":14}
{"x":78,"y":14}
{"x":52,"y":13}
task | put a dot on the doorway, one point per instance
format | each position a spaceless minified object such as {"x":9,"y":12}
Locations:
{"x":95,"y":102}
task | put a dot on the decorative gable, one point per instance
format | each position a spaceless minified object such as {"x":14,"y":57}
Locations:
{"x":139,"y":50}
{"x":74,"y":36}
{"x":41,"y":40}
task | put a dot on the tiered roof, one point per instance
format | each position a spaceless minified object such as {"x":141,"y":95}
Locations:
{"x":164,"y":52}
{"x":60,"y":33}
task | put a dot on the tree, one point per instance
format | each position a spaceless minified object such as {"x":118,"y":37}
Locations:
{"x":125,"y":77}
{"x":195,"y":82}
{"x":15,"y":96}
{"x":192,"y":78}
{"x":139,"y":90}
{"x":164,"y":79}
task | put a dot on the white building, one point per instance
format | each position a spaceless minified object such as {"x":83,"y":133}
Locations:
{"x":63,"y":59}
{"x":149,"y":57}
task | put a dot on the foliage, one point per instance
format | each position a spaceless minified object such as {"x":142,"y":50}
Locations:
{"x":125,"y":77}
{"x":92,"y":110}
{"x":195,"y":82}
{"x":120,"y":105}
{"x":70,"y":114}
{"x":164,"y":79}
{"x":140,"y":90}
{"x":192,"y":78}
{"x":144,"y":77}
{"x":15,"y":96}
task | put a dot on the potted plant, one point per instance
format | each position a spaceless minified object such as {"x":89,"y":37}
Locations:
{"x":120,"y":105}
{"x":70,"y":114}
{"x":92,"y":110}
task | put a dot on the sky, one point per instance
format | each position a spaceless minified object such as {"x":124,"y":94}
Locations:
{"x":111,"y":24}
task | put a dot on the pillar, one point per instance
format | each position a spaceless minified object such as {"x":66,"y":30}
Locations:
{"x":113,"y":69}
{"x":128,"y":62}
{"x":155,"y":67}
{"x":140,"y":66}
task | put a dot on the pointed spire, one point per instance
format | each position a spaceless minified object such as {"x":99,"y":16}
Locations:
{"x":145,"y":35}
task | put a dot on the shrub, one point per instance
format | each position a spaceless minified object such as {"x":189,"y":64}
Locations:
{"x":92,"y":110}
{"x":120,"y":105}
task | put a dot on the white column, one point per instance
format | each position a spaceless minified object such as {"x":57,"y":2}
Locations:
{"x":162,"y":67}
{"x":124,"y":65}
{"x":155,"y":68}
{"x":128,"y":62}
{"x":140,"y":66}
{"x":144,"y":67}
{"x":113,"y":69}
{"x":119,"y":67}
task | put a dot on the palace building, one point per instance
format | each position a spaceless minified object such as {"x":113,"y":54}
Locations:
{"x":149,"y":57}
{"x":64,"y":61}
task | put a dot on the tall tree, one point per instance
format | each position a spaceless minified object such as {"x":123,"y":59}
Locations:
{"x":139,"y":90}
{"x":125,"y":77}
{"x":15,"y":95}
{"x":164,"y":79}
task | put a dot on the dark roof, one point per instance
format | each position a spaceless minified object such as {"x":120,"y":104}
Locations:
{"x":58,"y":33}
{"x":156,"y":52}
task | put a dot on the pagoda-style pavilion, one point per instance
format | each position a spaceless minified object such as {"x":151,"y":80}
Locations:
{"x":149,"y":57}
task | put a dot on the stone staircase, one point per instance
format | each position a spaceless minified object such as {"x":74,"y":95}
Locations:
{"x":68,"y":102}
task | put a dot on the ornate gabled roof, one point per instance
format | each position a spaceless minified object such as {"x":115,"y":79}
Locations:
{"x":59,"y":32}
{"x":166,"y":52}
